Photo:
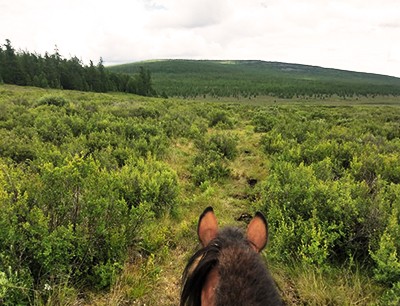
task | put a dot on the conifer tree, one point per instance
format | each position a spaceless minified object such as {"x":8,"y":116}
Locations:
{"x":12,"y":72}
{"x":103,"y":76}
{"x":144,"y":86}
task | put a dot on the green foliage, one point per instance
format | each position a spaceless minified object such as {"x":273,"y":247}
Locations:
{"x":387,"y":257}
{"x":15,"y":275}
{"x":249,"y":79}
{"x":263,"y":122}
{"x":51,"y":129}
{"x":392,"y":296}
{"x":220,"y":118}
{"x":17,"y":147}
{"x":80,"y":178}
{"x":52,"y":71}
{"x":332,"y":192}
{"x":209,"y":166}
{"x":86,"y":180}
{"x":185,"y":122}
{"x":319,"y":218}
{"x":3,"y":285}
{"x":73,"y":220}
{"x":149,"y":181}
{"x":225,"y":144}
{"x":211,"y":163}
{"x":145,"y":280}
{"x":273,"y":143}
{"x":52,"y":100}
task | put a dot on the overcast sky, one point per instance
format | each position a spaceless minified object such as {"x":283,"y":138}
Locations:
{"x":360,"y":35}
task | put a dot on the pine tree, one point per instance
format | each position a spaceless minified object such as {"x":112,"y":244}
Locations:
{"x":144,"y":84}
{"x":52,"y":67}
{"x":131,"y":85}
{"x":92,"y":77}
{"x":12,"y":72}
{"x":103,"y":78}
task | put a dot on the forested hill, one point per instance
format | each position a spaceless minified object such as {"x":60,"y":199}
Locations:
{"x":191,"y":78}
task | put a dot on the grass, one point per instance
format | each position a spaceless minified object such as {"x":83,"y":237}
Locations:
{"x":309,"y":285}
{"x":151,"y":274}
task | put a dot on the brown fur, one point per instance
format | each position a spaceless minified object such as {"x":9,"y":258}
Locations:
{"x":238,"y":274}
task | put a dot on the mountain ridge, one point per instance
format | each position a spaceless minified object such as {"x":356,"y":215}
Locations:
{"x":256,"y":77}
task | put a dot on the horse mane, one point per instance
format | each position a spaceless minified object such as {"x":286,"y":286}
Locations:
{"x":196,"y":271}
{"x":238,"y":266}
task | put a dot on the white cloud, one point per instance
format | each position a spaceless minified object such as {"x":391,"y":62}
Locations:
{"x":353,"y":34}
{"x":190,"y":14}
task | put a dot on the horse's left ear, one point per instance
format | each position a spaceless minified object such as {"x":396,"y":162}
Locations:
{"x":257,"y":232}
{"x":207,"y":227}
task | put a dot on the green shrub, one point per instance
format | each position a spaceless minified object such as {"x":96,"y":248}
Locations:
{"x":209,"y":166}
{"x":222,"y":143}
{"x":391,"y":297}
{"x":273,"y":143}
{"x":15,"y":286}
{"x":106,"y":274}
{"x":19,"y":148}
{"x":72,"y":222}
{"x":263,"y":122}
{"x":52,"y":128}
{"x":387,"y":256}
{"x":149,"y":181}
{"x":15,"y":274}
{"x":317,"y":220}
{"x":144,"y":113}
{"x":211,"y":162}
{"x":59,"y":101}
{"x":220,"y":118}
{"x":317,"y":240}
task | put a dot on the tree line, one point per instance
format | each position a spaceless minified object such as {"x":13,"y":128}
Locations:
{"x":249,"y":79}
{"x":53,"y":71}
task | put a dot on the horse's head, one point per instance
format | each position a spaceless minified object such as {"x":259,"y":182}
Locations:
{"x":257,"y":230}
{"x":228,"y":269}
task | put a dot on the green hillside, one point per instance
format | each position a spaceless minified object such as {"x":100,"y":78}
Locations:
{"x":191,"y":78}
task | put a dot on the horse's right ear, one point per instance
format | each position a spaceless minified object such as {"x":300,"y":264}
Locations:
{"x":207,"y":227}
{"x":257,"y":232}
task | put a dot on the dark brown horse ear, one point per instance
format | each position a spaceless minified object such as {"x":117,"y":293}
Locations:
{"x":207,"y":227}
{"x":257,"y":232}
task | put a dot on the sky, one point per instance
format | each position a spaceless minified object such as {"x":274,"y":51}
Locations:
{"x":359,"y":35}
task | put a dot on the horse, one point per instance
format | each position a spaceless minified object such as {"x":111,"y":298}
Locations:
{"x":228,"y":269}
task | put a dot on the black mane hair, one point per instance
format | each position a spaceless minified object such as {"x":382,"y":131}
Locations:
{"x":196,"y":271}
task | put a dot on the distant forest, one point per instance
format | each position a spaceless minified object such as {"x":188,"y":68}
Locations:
{"x":252,"y":78}
{"x":53,"y":71}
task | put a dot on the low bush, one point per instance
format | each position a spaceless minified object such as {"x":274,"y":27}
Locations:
{"x":75,"y":221}
{"x":59,"y":101}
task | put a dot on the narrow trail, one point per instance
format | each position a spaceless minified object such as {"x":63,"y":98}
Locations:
{"x":230,"y":200}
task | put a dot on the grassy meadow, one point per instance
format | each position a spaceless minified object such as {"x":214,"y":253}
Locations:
{"x":100,"y":193}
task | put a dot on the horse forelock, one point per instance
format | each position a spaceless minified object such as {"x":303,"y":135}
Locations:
{"x":196,"y":272}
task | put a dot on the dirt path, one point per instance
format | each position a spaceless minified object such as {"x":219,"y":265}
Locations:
{"x":230,"y":200}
